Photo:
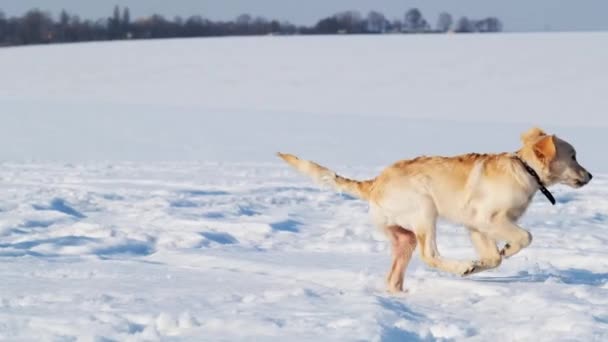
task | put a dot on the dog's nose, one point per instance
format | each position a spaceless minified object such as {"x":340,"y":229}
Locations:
{"x":590,"y":175}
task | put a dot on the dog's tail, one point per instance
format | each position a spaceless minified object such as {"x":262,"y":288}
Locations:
{"x":325,"y":176}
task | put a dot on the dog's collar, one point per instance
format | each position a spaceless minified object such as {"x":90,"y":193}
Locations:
{"x":539,"y":182}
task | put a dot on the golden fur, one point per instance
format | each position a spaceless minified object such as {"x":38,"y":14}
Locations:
{"x":487,"y":193}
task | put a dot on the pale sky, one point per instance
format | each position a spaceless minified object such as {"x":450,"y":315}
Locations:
{"x":517,"y":15}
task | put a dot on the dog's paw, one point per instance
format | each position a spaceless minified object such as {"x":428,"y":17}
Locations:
{"x":504,"y":252}
{"x":396,"y":291}
{"x":474,"y":267}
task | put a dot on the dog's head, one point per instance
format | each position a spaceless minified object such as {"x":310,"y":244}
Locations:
{"x":554,"y":158}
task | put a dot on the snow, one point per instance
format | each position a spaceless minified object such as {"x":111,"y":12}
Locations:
{"x":242,"y":99}
{"x":141,"y":199}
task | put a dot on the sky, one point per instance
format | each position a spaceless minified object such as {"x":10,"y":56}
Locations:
{"x":517,"y":15}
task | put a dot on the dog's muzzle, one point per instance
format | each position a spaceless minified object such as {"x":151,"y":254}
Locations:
{"x":582,"y":182}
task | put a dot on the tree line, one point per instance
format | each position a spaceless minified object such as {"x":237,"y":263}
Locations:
{"x":40,"y":27}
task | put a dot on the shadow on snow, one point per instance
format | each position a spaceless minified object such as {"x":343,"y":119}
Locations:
{"x":60,"y":205}
{"x":391,"y":333}
{"x":572,"y":276}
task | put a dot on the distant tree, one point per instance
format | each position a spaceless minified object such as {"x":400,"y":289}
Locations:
{"x":71,"y":32}
{"x":350,"y":22}
{"x":444,"y":22}
{"x":327,"y":26}
{"x":98,"y":30}
{"x":465,"y":25}
{"x":414,"y":22}
{"x":244,"y":23}
{"x":289,"y":28}
{"x":275,"y":26}
{"x":178,"y":20}
{"x":62,"y":27}
{"x":156,"y":26}
{"x":3,"y":29}
{"x":490,"y":24}
{"x":244,"y":19}
{"x":343,"y":22}
{"x":114,"y":24}
{"x":194,"y":26}
{"x":396,"y":25}
{"x":259,"y":25}
{"x":496,"y":25}
{"x":126,"y":22}
{"x":376,"y":22}
{"x":64,"y":18}
{"x":36,"y":27}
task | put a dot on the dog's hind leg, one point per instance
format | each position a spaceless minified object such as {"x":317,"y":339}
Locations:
{"x":403,"y":243}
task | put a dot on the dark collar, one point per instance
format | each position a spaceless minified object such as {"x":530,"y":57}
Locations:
{"x":539,"y":182}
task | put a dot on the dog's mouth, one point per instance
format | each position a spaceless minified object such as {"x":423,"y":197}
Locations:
{"x":579,"y":183}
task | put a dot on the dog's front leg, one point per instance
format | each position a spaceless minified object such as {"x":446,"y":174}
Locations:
{"x":425,"y":234}
{"x":489,"y":256}
{"x":515,"y":237}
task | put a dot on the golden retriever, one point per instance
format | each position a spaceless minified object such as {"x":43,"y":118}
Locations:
{"x":487,"y":193}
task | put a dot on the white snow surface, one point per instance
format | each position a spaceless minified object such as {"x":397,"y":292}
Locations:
{"x":141,"y":200}
{"x":327,"y":97}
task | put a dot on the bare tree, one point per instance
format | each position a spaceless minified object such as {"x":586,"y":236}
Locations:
{"x":260,"y":25}
{"x":114,"y":27}
{"x":376,"y":22}
{"x":490,"y":24}
{"x":396,"y":25}
{"x":444,"y":22}
{"x":126,"y":22}
{"x":414,"y":22}
{"x":36,"y":27}
{"x":327,"y":26}
{"x":350,"y":21}
{"x":3,"y":29}
{"x":465,"y":25}
{"x":244,"y":19}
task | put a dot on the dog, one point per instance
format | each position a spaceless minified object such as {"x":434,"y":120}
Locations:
{"x":487,"y":193}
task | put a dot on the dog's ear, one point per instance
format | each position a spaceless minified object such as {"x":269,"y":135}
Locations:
{"x":532,"y":135}
{"x":545,"y":149}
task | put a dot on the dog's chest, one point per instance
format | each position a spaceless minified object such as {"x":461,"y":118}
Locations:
{"x":519,"y":209}
{"x":492,"y":200}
